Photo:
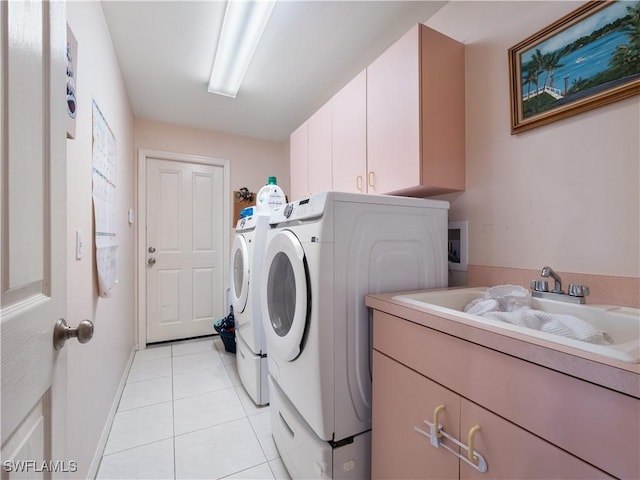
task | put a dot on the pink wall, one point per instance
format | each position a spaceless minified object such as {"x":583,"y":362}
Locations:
{"x":565,"y":194}
{"x":252,"y":160}
{"x":96,"y":369}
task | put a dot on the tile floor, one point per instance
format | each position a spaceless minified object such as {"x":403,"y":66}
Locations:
{"x":185,"y":415}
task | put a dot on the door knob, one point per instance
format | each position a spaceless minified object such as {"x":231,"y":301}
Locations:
{"x":63,"y":332}
{"x":152,"y":250}
{"x":151,"y":261}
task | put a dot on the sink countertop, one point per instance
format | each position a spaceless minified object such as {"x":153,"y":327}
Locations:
{"x":613,"y":374}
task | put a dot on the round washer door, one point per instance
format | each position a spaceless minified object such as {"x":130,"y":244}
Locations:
{"x":285,"y":295}
{"x":239,"y":271}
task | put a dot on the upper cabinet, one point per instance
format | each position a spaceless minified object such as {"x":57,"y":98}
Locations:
{"x":320,"y":171}
{"x":399,"y":126}
{"x":349,"y":136}
{"x":299,"y":161}
{"x":415,"y":116}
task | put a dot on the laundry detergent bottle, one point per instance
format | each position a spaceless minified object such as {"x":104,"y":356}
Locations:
{"x":270,"y":196}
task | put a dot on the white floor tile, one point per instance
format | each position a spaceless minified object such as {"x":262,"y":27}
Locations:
{"x":247,"y":403}
{"x":261,"y":424}
{"x":195,"y":413}
{"x":146,"y":392}
{"x":279,"y":470}
{"x":227,"y":358}
{"x":200,"y":382}
{"x":137,"y":427}
{"x":149,"y":369}
{"x":261,"y":472}
{"x":153,"y":352}
{"x":196,"y":361}
{"x":154,"y":460}
{"x":193,"y":346}
{"x":217,"y":451}
{"x":232,"y":370}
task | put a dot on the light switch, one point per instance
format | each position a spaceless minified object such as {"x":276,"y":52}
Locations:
{"x":79,"y":245}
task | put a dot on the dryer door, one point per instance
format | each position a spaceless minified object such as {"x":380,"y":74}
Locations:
{"x":239,"y":271}
{"x":285,"y":296}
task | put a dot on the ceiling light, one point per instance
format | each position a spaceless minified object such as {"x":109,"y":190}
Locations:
{"x":243,"y":25}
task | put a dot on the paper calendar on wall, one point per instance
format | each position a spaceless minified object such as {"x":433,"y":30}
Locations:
{"x":104,"y":156}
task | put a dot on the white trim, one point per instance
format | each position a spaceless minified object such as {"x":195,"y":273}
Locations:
{"x":143,"y":155}
{"x":97,"y":457}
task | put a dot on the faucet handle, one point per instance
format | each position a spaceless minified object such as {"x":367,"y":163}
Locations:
{"x":540,"y":285}
{"x":576,"y":290}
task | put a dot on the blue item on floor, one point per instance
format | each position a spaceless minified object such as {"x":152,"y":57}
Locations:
{"x":225,"y":327}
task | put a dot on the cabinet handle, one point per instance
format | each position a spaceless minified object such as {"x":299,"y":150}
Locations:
{"x":359,"y":183}
{"x":436,"y":412}
{"x":436,"y":434}
{"x":370,"y":179}
{"x":470,"y":452}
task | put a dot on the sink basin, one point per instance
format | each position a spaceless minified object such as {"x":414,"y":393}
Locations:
{"x":621,"y":323}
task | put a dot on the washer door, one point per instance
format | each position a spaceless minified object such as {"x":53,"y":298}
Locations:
{"x":285,"y":296}
{"x":239,"y":271}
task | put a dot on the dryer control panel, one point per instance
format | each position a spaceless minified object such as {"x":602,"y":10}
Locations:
{"x":305,"y":209}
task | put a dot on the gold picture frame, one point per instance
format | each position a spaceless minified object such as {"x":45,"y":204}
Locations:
{"x":593,"y":52}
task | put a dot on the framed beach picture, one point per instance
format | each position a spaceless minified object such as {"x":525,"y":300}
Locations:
{"x":586,"y":59}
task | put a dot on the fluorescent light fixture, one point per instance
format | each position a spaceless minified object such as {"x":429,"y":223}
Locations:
{"x":242,"y":28}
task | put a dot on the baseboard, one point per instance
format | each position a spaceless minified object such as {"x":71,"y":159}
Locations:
{"x":95,"y":464}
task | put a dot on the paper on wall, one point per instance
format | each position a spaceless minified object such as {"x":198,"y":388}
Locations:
{"x":104,"y":156}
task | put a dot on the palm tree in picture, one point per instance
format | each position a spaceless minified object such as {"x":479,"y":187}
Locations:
{"x":531,"y":77}
{"x":536,"y":63}
{"x":550,"y":62}
{"x":626,"y":58}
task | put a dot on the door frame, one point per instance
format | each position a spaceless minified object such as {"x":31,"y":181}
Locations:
{"x":141,"y":270}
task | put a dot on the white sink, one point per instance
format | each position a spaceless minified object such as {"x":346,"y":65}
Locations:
{"x":621,"y":323}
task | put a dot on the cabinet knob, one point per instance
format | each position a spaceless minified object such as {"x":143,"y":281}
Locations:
{"x":359,"y":183}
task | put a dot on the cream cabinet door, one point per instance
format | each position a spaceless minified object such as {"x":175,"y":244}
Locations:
{"x":512,"y":452}
{"x":393,"y":117}
{"x":299,"y":162}
{"x":402,"y":400}
{"x":320,"y":164}
{"x":349,"y":136}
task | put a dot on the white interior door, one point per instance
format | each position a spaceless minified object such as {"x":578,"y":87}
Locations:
{"x":33,"y":236}
{"x":185,"y":252}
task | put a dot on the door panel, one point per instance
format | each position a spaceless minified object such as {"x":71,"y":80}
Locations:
{"x":33,"y":232}
{"x":185,"y":285}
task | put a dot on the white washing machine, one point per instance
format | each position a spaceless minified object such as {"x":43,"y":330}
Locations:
{"x":324,"y":255}
{"x":247,"y":254}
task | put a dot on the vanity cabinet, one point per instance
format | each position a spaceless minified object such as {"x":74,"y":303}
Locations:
{"x":398,"y":127}
{"x":534,"y":422}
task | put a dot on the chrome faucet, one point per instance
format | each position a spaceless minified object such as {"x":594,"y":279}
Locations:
{"x":548,"y":272}
{"x":540,"y":288}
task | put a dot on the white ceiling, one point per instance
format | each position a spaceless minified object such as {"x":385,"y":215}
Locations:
{"x":309,"y":50}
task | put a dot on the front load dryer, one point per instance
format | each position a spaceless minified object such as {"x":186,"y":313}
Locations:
{"x":324,"y":255}
{"x":247,"y":255}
